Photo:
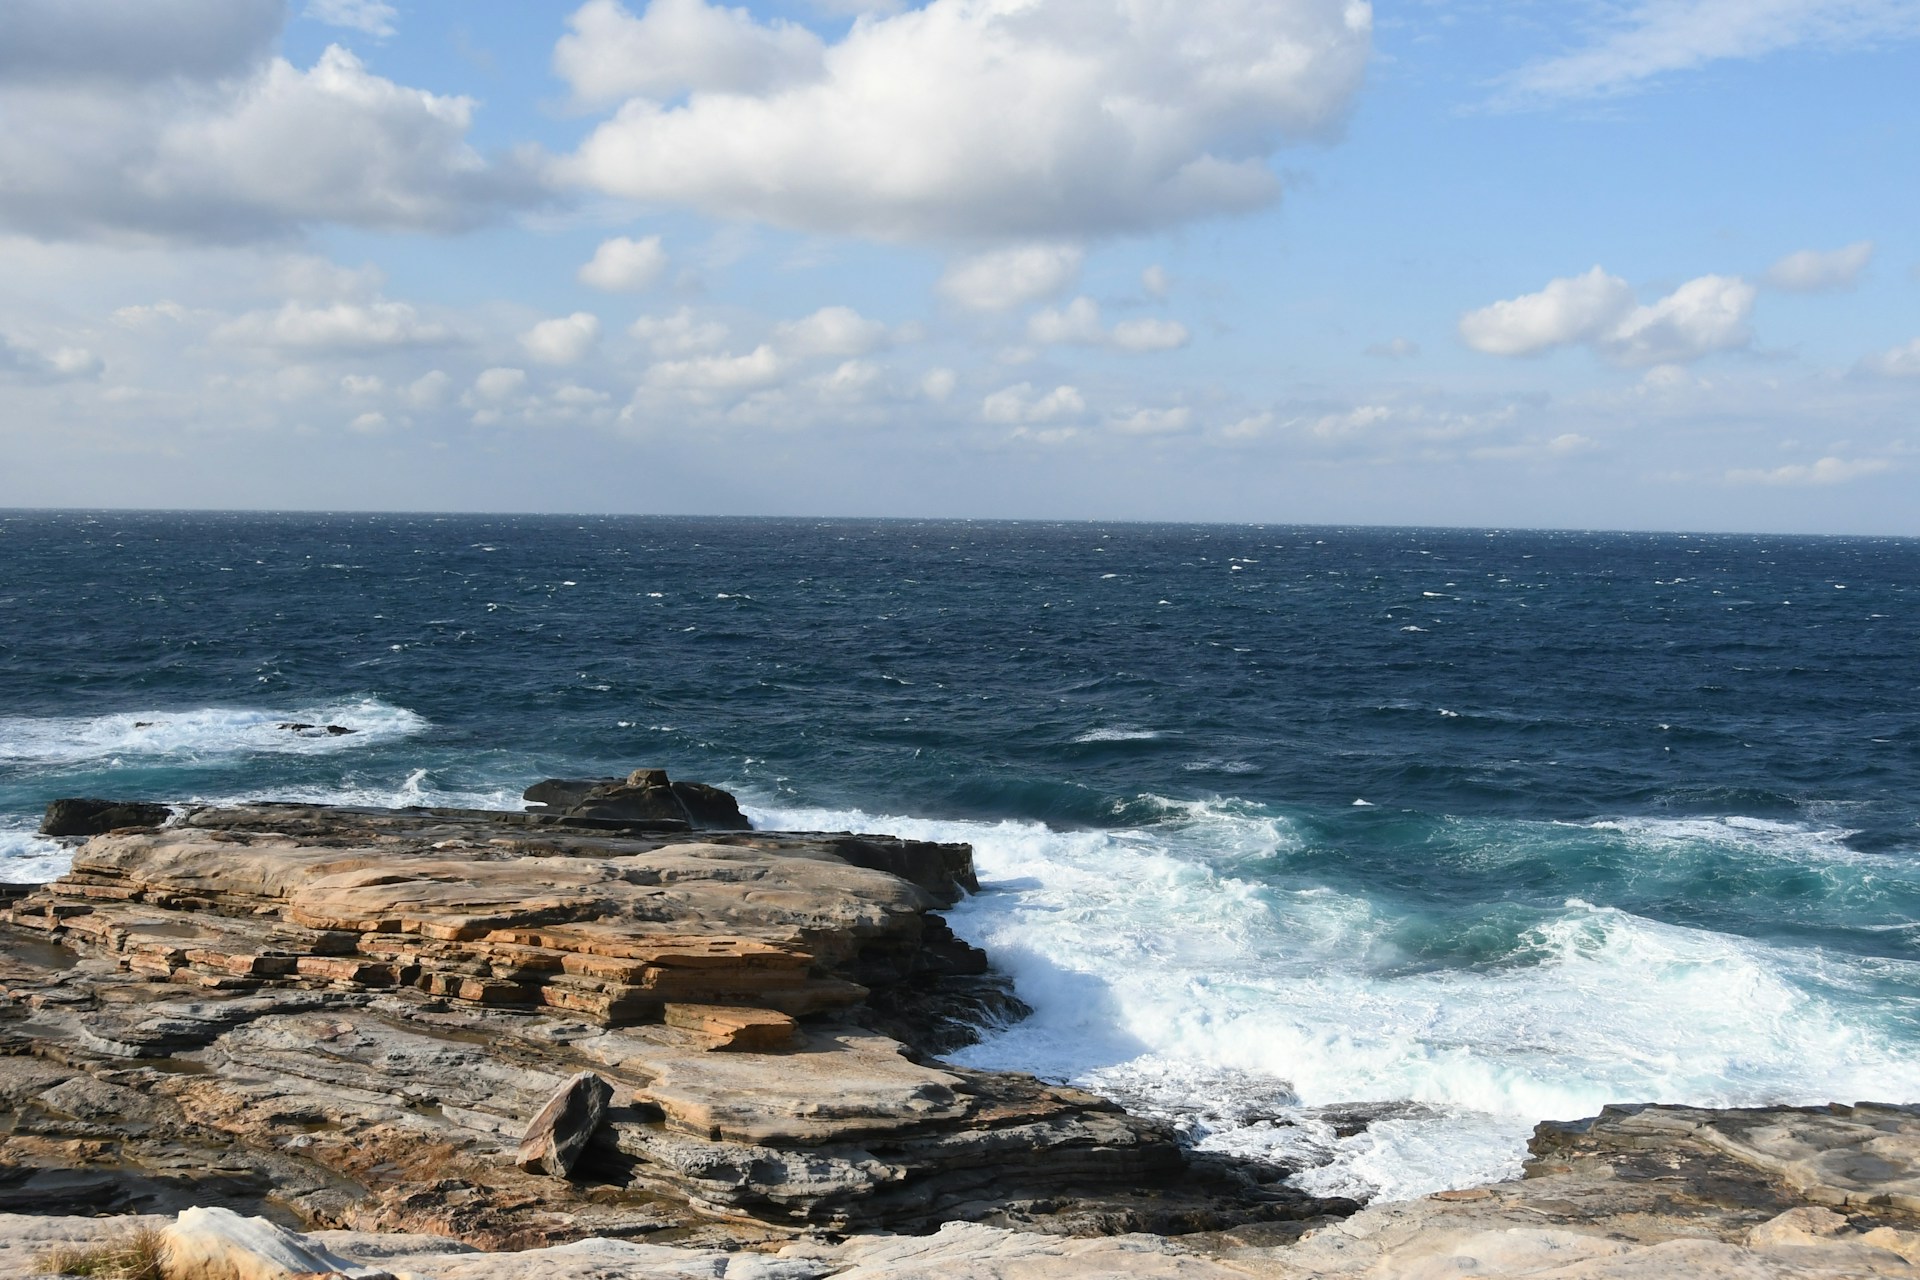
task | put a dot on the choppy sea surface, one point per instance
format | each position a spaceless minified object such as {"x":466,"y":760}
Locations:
{"x":1481,"y":827}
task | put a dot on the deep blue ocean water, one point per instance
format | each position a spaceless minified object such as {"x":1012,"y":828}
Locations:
{"x":1488,"y":827}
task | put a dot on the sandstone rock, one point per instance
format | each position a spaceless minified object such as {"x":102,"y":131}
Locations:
{"x":729,"y":1028}
{"x":559,"y":1135}
{"x":95,"y":817}
{"x":218,"y":1244}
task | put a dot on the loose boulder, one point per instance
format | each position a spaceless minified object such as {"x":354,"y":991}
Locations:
{"x":219,"y":1244}
{"x":97,"y":817}
{"x":560,"y":1133}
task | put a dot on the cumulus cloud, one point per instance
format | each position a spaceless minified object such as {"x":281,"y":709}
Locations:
{"x":258,"y":151}
{"x":680,"y":46}
{"x":939,"y":384}
{"x":623,"y":265}
{"x":761,"y":367}
{"x":1896,"y":362}
{"x":374,"y":17}
{"x":1080,"y":323}
{"x":497,"y":384}
{"x":1570,"y":309}
{"x":1002,"y":279}
{"x":1704,"y":315}
{"x":1156,"y":282}
{"x":1826,"y":471}
{"x":334,"y":327}
{"x":831,"y":331}
{"x":1021,"y":404}
{"x":564,"y":340}
{"x":1653,"y":38}
{"x":965,"y":119}
{"x":680,"y":334}
{"x":1814,"y":271}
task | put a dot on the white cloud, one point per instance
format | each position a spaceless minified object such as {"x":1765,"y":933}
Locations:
{"x":831,"y":331}
{"x":374,"y":17}
{"x":372,"y":422}
{"x":852,"y":380}
{"x":1896,"y":362}
{"x":939,"y":384}
{"x":1156,"y":282}
{"x":256,"y":154}
{"x":363,"y":384}
{"x":1002,"y":279}
{"x":967,"y":119}
{"x":429,"y":390}
{"x":1334,"y":426}
{"x":623,"y":265}
{"x":1824,"y":472}
{"x":1154,"y":422}
{"x":1079,"y":323}
{"x":497,"y":384}
{"x":680,"y":46}
{"x":679,"y":334}
{"x":337,"y":327}
{"x":1703,"y":315}
{"x":1149,"y":333}
{"x":1021,"y":404}
{"x":1814,"y":271}
{"x":761,"y":367}
{"x":564,"y":340}
{"x":22,"y":363}
{"x":1570,"y":309}
{"x":1658,"y":37}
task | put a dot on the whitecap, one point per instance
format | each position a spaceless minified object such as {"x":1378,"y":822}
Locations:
{"x":27,"y":857}
{"x":201,"y":732}
{"x":1118,"y":734}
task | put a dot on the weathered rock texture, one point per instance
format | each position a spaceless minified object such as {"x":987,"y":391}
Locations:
{"x":348,"y":1017}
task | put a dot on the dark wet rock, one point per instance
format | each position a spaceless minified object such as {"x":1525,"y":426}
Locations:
{"x":96,"y":817}
{"x":711,"y":808}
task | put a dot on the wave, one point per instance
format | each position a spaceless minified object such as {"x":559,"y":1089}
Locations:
{"x":1118,"y":734}
{"x":1181,"y":967}
{"x":201,"y":733}
{"x":29,"y":858}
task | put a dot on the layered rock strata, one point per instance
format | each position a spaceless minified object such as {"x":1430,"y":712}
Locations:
{"x":347,"y":1017}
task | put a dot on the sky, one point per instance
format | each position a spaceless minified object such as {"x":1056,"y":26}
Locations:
{"x":1628,"y":264}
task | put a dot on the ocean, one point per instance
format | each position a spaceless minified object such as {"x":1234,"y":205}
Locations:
{"x":1363,"y":849}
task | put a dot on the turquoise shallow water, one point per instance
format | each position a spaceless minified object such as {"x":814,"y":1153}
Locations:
{"x":1489,"y":826}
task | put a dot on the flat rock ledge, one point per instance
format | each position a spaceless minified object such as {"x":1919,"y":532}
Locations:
{"x":345,"y":1018}
{"x":1637,"y":1193}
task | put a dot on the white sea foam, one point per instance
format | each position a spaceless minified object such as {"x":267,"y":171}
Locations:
{"x":200,"y":733}
{"x":1168,"y":966}
{"x":1118,"y":733}
{"x":418,"y":788}
{"x":28,"y":858}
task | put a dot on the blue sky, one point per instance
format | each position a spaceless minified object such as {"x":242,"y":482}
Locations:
{"x":1641,"y":265}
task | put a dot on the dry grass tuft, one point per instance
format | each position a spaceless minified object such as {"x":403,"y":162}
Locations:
{"x":133,"y":1256}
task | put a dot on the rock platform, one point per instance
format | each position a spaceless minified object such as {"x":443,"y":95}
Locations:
{"x":347,"y":1018}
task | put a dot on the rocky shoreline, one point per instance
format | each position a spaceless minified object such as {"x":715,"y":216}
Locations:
{"x":343,"y":1020}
